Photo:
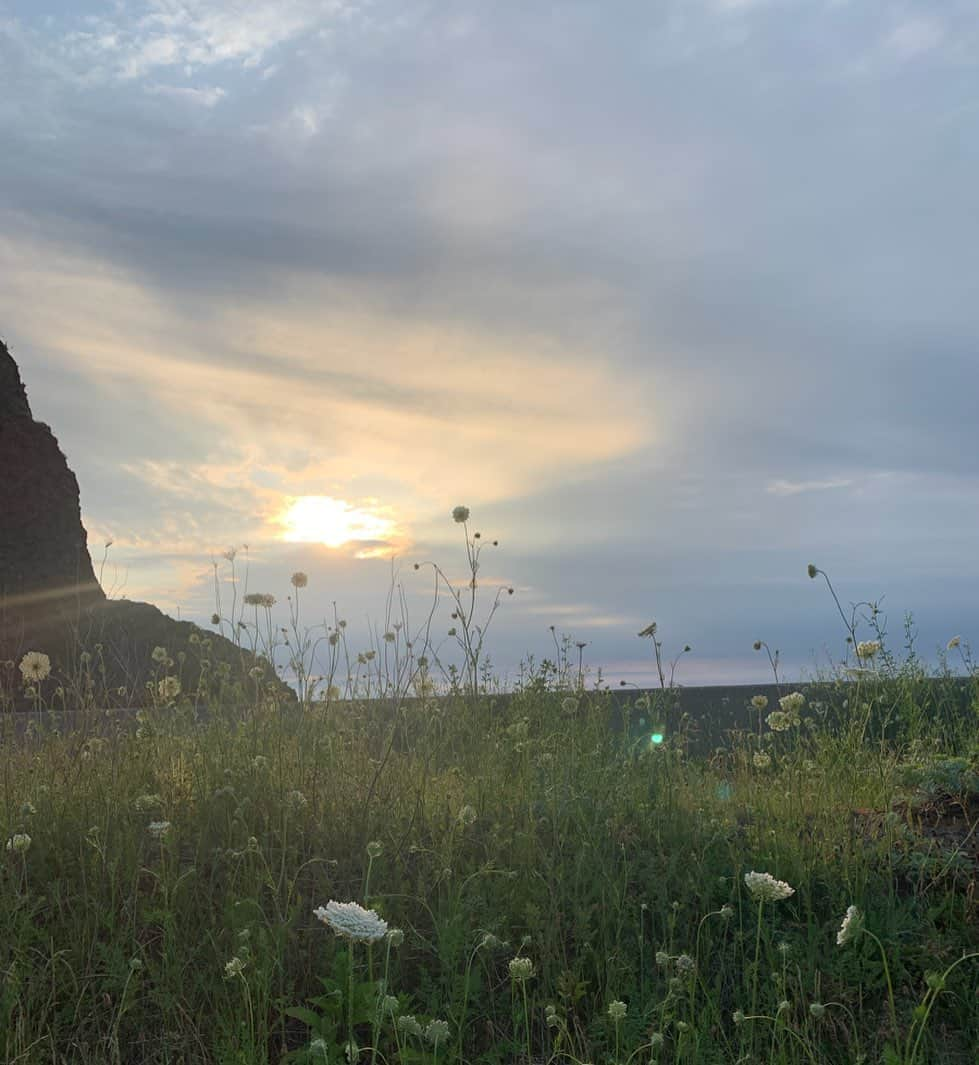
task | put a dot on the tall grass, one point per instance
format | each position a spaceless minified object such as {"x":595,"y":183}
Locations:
{"x":562,"y":890}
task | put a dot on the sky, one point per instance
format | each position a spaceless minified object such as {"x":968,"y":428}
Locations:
{"x":677,"y":298}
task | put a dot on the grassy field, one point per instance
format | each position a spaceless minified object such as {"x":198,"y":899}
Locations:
{"x":556,"y":886}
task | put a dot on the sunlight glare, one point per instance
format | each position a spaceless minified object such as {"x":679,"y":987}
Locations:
{"x":332,"y":522}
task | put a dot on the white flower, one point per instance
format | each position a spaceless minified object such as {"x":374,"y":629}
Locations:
{"x":663,"y":959}
{"x":437,"y":1031}
{"x":759,"y":702}
{"x":352,"y":921}
{"x":169,"y":687}
{"x":738,"y":1017}
{"x":19,"y":843}
{"x":299,"y":579}
{"x":390,"y":1004}
{"x":685,"y":964}
{"x":849,"y":929}
{"x":467,"y":815}
{"x":817,"y":1009}
{"x":778,"y":721}
{"x":395,"y":936}
{"x":761,"y":759}
{"x":159,"y":654}
{"x":521,"y":969}
{"x":35,"y":666}
{"x":793,"y":702}
{"x":617,"y":1010}
{"x":407,"y":1023}
{"x":158,"y":829}
{"x":148,"y":802}
{"x":375,"y":848}
{"x":234,"y":968}
{"x":765,"y":888}
{"x":460,"y":514}
{"x":868,"y":648}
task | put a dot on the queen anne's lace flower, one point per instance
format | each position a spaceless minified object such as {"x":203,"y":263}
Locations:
{"x":158,"y":829}
{"x":19,"y":843}
{"x":852,"y":923}
{"x":169,"y":687}
{"x":765,"y":888}
{"x":617,"y":1010}
{"x":761,"y":759}
{"x":521,"y":969}
{"x":299,"y":579}
{"x":868,"y":648}
{"x":34,"y":667}
{"x":352,"y":921}
{"x":759,"y":702}
{"x":437,"y":1031}
{"x":792,"y":703}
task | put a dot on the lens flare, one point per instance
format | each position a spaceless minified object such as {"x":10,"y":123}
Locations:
{"x":333,"y":522}
{"x":656,"y":738}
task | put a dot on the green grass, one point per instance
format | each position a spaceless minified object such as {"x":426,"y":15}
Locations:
{"x":489,"y":828}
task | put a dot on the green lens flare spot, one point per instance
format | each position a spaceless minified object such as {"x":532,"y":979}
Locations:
{"x":656,"y":738}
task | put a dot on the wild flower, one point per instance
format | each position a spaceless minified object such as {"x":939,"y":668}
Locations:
{"x":727,"y":911}
{"x":467,"y":815}
{"x":663,"y":959}
{"x":390,"y":1004}
{"x":763,"y":887}
{"x":817,"y":1009}
{"x":216,"y":619}
{"x":868,"y":648}
{"x":812,"y":571}
{"x":778,"y":721}
{"x":792,"y":703}
{"x":234,"y":968}
{"x":375,"y":848}
{"x":169,"y":687}
{"x":395,"y":936}
{"x":408,"y":1024}
{"x":19,"y":843}
{"x":259,"y":599}
{"x":460,"y":515}
{"x":159,"y":654}
{"x":759,"y":702}
{"x":28,"y":809}
{"x":295,"y":800}
{"x":34,"y":667}
{"x":617,"y":1010}
{"x":850,"y":927}
{"x":521,"y":969}
{"x":953,"y":643}
{"x":351,"y":921}
{"x":655,"y":1040}
{"x":437,"y":1032}
{"x":158,"y":829}
{"x":299,"y":579}
{"x":738,"y":1017}
{"x":145,"y":803}
{"x":389,"y":637}
{"x":761,"y":759}
{"x":685,"y":964}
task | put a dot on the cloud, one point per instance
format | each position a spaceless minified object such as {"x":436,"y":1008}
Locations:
{"x":791,"y":488}
{"x":207,"y":96}
{"x":914,"y":37}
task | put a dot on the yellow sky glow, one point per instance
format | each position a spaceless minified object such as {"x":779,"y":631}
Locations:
{"x":333,"y":522}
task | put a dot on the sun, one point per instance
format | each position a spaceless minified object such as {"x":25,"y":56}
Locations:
{"x":332,"y":522}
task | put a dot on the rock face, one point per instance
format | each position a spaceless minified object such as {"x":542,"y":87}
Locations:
{"x":45,"y":566}
{"x":50,"y":601}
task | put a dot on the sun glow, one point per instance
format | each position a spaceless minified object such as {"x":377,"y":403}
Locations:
{"x":333,"y":522}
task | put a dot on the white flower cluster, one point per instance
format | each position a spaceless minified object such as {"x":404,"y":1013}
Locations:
{"x":868,"y":648}
{"x":521,"y":969}
{"x":19,"y":843}
{"x":763,"y":887}
{"x":34,"y":667}
{"x":352,"y":921}
{"x":851,"y":926}
{"x":158,"y":829}
{"x":169,"y":687}
{"x":792,"y":703}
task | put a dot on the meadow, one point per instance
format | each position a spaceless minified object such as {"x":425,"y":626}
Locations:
{"x":411,"y":866}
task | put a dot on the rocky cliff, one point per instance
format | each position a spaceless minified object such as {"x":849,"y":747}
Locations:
{"x":50,"y":600}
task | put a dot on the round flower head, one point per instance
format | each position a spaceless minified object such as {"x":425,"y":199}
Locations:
{"x":460,"y":514}
{"x":868,"y":648}
{"x":617,"y":1010}
{"x":169,"y":687}
{"x":375,"y":848}
{"x":778,"y":721}
{"x":850,"y":928}
{"x":759,"y":702}
{"x":792,"y":703}
{"x":953,"y":643}
{"x":685,"y":964}
{"x":437,"y":1031}
{"x":765,"y":888}
{"x":761,"y":759}
{"x":812,"y":571}
{"x":159,"y":654}
{"x":158,"y":829}
{"x":521,"y":969}
{"x":34,"y":667}
{"x":352,"y":921}
{"x":19,"y":843}
{"x":299,"y":579}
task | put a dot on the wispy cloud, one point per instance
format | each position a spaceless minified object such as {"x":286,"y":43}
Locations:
{"x":793,"y":488}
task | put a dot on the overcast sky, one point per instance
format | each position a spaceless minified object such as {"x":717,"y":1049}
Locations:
{"x":677,"y":297}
